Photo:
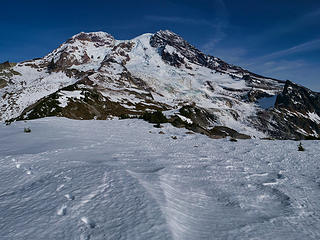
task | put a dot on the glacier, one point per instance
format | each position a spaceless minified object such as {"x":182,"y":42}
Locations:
{"x":121,"y":179}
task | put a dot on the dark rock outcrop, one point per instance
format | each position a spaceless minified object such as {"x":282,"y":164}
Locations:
{"x":295,"y":115}
{"x":296,"y":98}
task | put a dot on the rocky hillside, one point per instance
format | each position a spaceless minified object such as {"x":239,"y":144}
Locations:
{"x":94,"y":76}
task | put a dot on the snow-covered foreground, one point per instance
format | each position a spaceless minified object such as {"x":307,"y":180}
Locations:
{"x":114,"y":179}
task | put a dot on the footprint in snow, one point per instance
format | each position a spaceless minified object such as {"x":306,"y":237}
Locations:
{"x":62,"y":210}
{"x":85,"y":236}
{"x":67,"y":178}
{"x":69,"y":197}
{"x":59,"y":188}
{"x":18,"y":165}
{"x":88,"y":222}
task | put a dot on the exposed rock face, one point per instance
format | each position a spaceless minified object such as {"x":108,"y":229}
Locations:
{"x":81,"y":49}
{"x":254,"y":95}
{"x":294,"y":116}
{"x":6,"y":72}
{"x":99,"y":39}
{"x":94,"y":76}
{"x":202,"y":121}
{"x":297,"y":98}
{"x":162,"y":39}
{"x":5,"y":65}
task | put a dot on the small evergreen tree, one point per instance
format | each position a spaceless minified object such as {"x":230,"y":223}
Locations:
{"x":124,"y":116}
{"x":300,"y":147}
{"x":27,"y":130}
{"x":154,"y":117}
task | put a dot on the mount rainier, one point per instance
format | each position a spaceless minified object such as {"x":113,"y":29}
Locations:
{"x":94,"y":76}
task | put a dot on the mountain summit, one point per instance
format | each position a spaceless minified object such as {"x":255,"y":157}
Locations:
{"x":94,"y":76}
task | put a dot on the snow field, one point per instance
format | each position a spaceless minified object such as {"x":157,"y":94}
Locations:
{"x":117,"y":180}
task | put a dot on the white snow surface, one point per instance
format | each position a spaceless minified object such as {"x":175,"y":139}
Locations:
{"x":65,"y":96}
{"x":185,"y":119}
{"x":115,"y":179}
{"x":314,"y":117}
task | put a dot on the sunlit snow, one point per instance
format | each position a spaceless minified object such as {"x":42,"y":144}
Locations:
{"x":121,"y":179}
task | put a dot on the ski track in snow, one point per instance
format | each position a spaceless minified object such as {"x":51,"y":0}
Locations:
{"x":114,"y":179}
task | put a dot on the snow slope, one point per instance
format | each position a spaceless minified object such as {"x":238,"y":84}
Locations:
{"x":27,"y":88}
{"x":71,"y":179}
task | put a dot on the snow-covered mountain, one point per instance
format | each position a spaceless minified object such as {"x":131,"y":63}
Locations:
{"x":94,"y":76}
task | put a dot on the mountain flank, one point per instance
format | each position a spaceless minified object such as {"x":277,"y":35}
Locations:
{"x":94,"y":76}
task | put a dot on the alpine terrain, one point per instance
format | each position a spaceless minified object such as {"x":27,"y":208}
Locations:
{"x":66,"y":175}
{"x":94,"y":76}
{"x":121,"y":179}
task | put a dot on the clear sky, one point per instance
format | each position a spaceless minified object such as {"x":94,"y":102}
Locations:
{"x":276,"y":38}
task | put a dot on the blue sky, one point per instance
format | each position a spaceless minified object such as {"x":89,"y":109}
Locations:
{"x":276,"y":38}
